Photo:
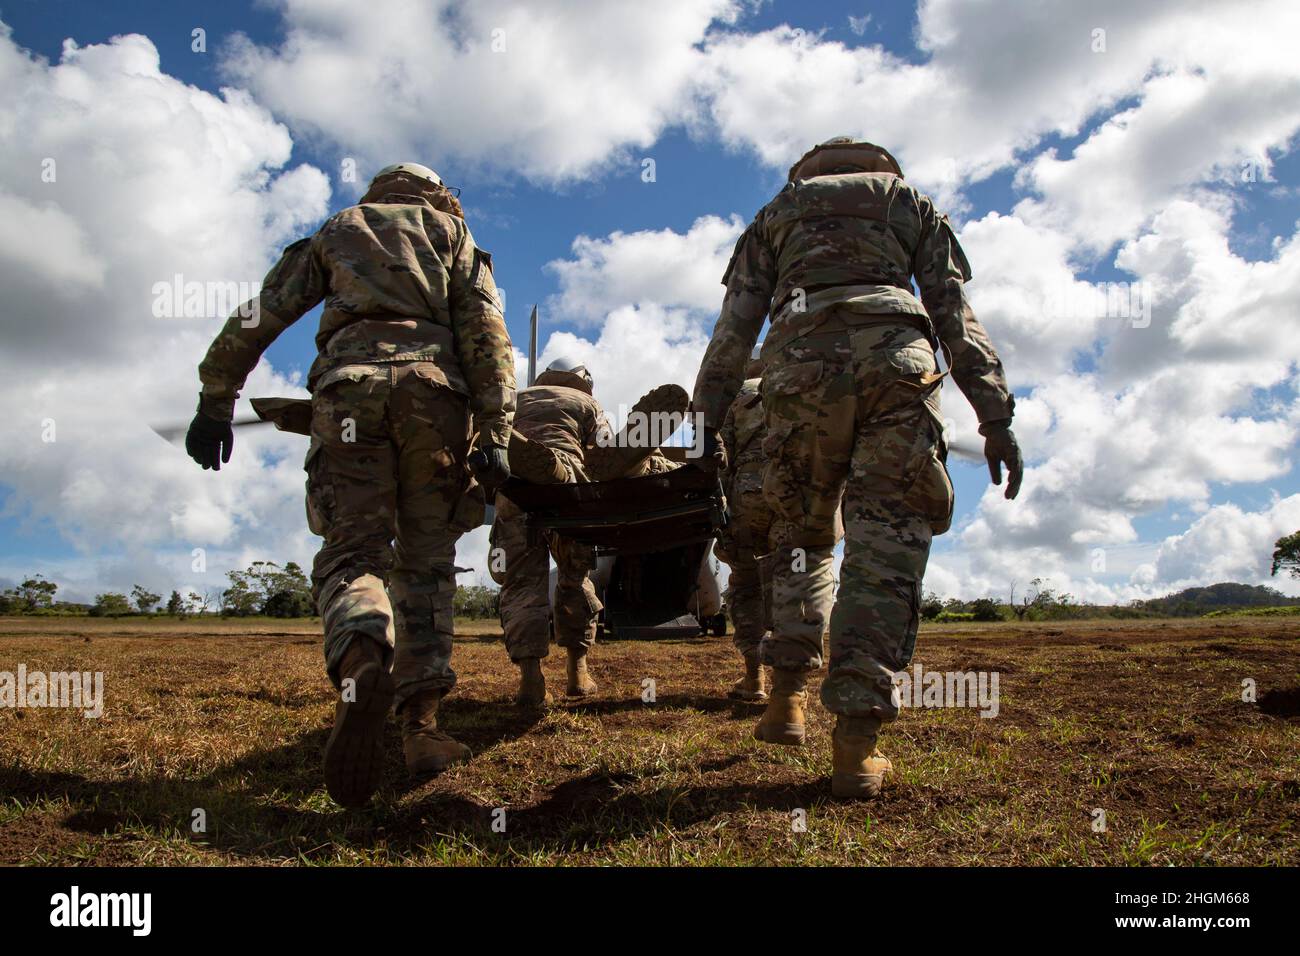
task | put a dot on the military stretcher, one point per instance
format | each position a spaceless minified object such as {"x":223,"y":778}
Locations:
{"x":657,"y":529}
{"x":652,"y":536}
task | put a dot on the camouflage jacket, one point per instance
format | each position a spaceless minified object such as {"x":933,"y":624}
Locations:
{"x":401,"y":281}
{"x":742,"y":436}
{"x":565,"y":420}
{"x":853,"y":241}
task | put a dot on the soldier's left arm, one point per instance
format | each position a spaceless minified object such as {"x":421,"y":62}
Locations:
{"x":483,"y":346}
{"x":750,"y":280}
{"x":941,"y":269}
{"x":293,"y":286}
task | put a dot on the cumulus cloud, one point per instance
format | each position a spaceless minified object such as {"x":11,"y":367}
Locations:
{"x":672,"y":269}
{"x":553,"y":90}
{"x":124,"y":177}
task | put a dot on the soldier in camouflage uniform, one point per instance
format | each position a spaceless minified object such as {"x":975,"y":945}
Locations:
{"x":560,"y":433}
{"x":555,"y":421}
{"x":851,"y":397}
{"x":414,"y":361}
{"x":743,"y":543}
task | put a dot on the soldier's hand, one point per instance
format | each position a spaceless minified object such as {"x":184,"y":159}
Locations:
{"x":491,"y":466}
{"x":1000,"y":449}
{"x":209,"y":441}
{"x":712,"y":456}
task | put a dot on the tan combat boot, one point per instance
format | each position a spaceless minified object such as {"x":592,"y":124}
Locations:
{"x":580,"y":683}
{"x":783,"y":721}
{"x":427,"y":749}
{"x":750,"y":687}
{"x":624,"y":456}
{"x":532,"y":683}
{"x":534,"y":462}
{"x":354,"y":753}
{"x":858,"y":768}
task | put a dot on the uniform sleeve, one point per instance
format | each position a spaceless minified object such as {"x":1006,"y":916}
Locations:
{"x":750,"y":280}
{"x":598,"y":430}
{"x":482,"y":343}
{"x":293,"y":286}
{"x":727,"y":436}
{"x":941,"y":268}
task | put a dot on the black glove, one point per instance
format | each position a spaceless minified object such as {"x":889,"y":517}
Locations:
{"x":712,"y":456}
{"x":491,"y":466}
{"x":209,"y":441}
{"x":1000,"y":448}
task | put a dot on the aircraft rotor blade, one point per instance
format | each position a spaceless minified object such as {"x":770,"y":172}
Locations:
{"x":174,"y":433}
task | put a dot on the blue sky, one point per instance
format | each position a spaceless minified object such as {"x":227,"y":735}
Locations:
{"x":530,"y":192}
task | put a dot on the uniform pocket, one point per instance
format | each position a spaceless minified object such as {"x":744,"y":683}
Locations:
{"x":345,"y":373}
{"x":320,"y":490}
{"x":782,"y":489}
{"x":471,"y":508}
{"x":931,"y":494}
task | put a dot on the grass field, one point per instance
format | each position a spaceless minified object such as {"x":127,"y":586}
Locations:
{"x":1143,"y":720}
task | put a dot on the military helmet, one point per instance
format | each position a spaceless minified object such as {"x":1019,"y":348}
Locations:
{"x":844,"y":153}
{"x":410,"y":169}
{"x":567,"y":372}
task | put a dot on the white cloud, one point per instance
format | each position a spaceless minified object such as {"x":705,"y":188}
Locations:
{"x":151,"y":178}
{"x":551,"y":90}
{"x":671,"y":269}
{"x":1228,"y":544}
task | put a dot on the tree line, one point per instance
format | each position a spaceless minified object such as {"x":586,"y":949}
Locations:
{"x":262,"y":589}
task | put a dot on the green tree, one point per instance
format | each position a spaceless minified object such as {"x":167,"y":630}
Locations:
{"x":931,"y":606}
{"x":144,"y":599}
{"x":110,"y":604}
{"x":33,"y":594}
{"x":1286,"y":554}
{"x":267,"y":588}
{"x":176,"y":605}
{"x":986,"y":609}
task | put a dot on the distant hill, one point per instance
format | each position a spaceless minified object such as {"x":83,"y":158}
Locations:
{"x":1195,"y":601}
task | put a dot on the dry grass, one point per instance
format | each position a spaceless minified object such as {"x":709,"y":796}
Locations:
{"x":1141,"y":719}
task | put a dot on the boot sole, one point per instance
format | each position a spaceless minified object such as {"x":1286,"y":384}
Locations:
{"x":433,"y":766}
{"x":354,"y":753}
{"x":581,"y":692}
{"x":791,"y":735}
{"x":856,"y":786}
{"x":608,"y":463}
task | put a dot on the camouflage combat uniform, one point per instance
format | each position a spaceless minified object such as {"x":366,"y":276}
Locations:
{"x":567,"y":421}
{"x":743,"y":543}
{"x":851,"y":394}
{"x":411,"y":344}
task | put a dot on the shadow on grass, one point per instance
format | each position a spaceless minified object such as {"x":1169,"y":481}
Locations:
{"x":269,"y":806}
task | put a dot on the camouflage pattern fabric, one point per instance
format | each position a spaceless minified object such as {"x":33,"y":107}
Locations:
{"x":850,"y":392}
{"x":853,"y":418}
{"x":743,"y":544}
{"x":401,"y":281}
{"x":853,"y":241}
{"x":525,"y":582}
{"x":387,"y":461}
{"x":567,"y":421}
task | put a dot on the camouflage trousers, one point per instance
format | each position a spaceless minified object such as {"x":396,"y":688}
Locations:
{"x":852,"y":417}
{"x":743,"y":545}
{"x":386,"y":466}
{"x":520,"y":563}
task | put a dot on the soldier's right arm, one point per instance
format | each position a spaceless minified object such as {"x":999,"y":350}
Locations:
{"x":750,"y":280}
{"x":941,"y":269}
{"x":487,"y":358}
{"x":293,"y":286}
{"x":727,"y":436}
